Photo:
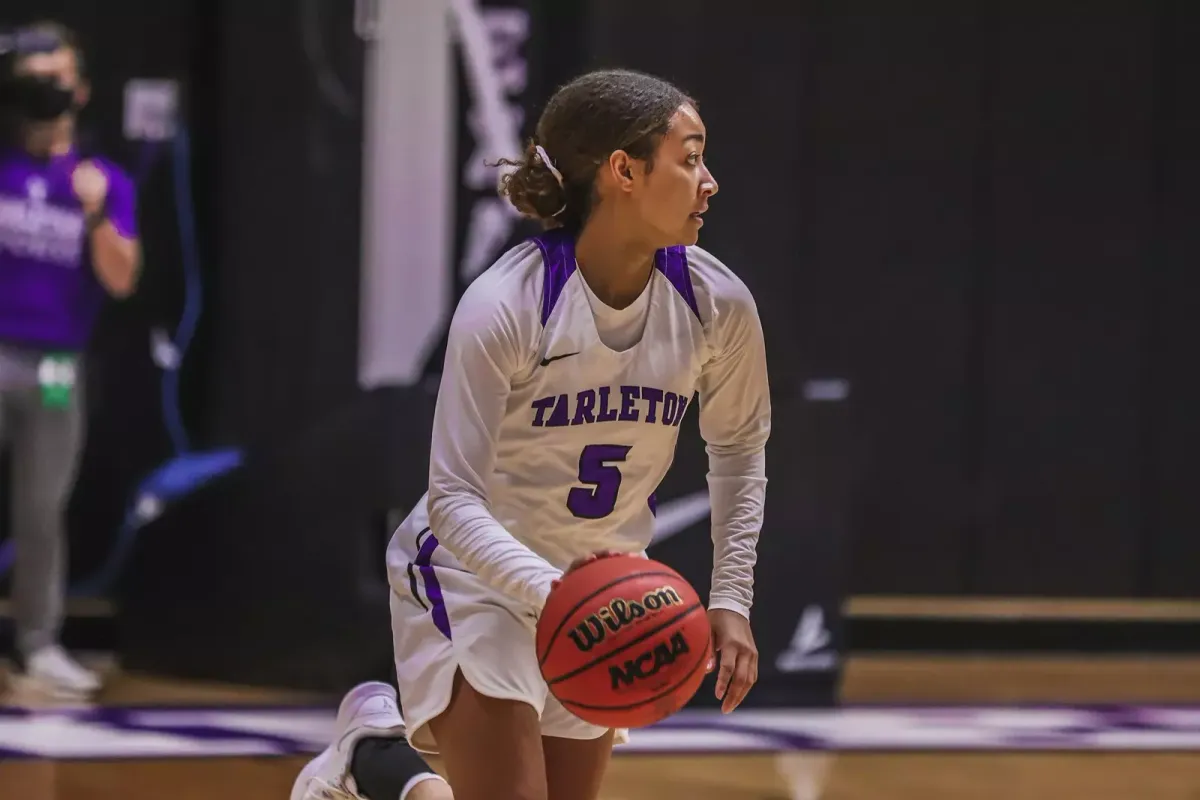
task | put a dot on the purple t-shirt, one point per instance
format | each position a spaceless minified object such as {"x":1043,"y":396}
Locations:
{"x":49,"y":294}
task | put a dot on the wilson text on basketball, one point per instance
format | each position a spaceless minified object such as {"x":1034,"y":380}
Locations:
{"x":618,"y":613}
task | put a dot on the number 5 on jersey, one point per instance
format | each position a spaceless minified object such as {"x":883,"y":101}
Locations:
{"x":596,"y":470}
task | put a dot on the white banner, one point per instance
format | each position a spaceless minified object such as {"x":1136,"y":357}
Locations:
{"x":412,"y":182}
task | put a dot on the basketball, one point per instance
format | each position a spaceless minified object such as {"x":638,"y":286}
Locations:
{"x":622,"y":641}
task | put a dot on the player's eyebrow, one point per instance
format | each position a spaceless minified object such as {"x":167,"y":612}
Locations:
{"x":699,"y":137}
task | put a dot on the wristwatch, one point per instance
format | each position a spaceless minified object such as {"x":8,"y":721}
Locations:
{"x":96,"y":218}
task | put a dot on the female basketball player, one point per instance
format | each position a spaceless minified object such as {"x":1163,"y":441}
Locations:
{"x":570,"y":364}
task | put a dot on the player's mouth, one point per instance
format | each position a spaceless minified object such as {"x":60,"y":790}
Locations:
{"x":697,"y":216}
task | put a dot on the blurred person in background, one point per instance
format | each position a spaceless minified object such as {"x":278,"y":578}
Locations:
{"x":68,"y":238}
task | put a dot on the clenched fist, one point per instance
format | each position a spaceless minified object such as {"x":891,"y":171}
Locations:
{"x":90,"y":185}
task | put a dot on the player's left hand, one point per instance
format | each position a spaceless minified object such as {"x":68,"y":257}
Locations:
{"x":90,"y":185}
{"x":734,"y":641}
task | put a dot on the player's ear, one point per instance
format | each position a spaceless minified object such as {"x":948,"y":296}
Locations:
{"x":623,"y":168}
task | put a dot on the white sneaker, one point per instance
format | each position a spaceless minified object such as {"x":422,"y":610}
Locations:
{"x":50,"y":670}
{"x":369,"y":709}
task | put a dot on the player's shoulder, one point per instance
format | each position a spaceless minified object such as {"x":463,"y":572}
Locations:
{"x":513,"y":278}
{"x":718,"y":288}
{"x":508,"y":292}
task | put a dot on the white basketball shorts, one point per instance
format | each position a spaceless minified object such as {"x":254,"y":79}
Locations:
{"x":447,"y":620}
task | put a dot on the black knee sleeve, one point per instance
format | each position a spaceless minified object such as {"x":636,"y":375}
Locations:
{"x":383,"y":767}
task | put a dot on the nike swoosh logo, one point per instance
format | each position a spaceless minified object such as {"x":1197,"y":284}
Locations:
{"x":676,"y":516}
{"x":548,"y":361}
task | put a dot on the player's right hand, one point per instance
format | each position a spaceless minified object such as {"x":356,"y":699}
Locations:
{"x":589,"y":558}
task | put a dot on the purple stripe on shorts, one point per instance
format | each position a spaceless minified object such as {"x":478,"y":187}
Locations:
{"x":558,"y":263}
{"x":672,"y":262}
{"x":433,"y":588}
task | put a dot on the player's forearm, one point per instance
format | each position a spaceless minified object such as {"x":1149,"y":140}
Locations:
{"x":472,"y":535}
{"x":737,"y":486}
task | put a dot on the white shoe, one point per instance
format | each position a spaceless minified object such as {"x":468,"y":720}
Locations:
{"x":369,"y":709}
{"x":51,"y":671}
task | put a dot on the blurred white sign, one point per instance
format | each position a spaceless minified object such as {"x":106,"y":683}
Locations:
{"x":151,"y":108}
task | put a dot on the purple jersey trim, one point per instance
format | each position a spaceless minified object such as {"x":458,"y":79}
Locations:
{"x":672,"y":262}
{"x":558,"y":263}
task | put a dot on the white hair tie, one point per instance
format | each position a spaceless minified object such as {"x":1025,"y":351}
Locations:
{"x":541,"y":153}
{"x":549,"y":165}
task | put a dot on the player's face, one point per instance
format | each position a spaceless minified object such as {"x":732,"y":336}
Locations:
{"x":674,"y":194}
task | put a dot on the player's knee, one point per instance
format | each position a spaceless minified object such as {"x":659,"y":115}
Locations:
{"x":479,"y":787}
{"x":528,"y":787}
{"x":430,"y":790}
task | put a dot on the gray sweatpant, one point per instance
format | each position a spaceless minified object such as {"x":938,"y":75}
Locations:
{"x":45,"y":443}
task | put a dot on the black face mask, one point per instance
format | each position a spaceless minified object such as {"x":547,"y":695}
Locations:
{"x":41,"y":99}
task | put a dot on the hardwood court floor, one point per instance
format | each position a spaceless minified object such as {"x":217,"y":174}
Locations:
{"x":1167,"y":770}
{"x":794,"y":777}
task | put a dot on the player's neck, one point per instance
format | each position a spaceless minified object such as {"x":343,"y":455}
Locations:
{"x":615,"y":267}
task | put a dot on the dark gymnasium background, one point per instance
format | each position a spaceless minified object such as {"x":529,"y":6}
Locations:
{"x":972,"y":240}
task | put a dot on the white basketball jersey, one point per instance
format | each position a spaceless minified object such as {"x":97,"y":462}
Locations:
{"x":549,"y":444}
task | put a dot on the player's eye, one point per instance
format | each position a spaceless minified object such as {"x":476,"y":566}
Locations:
{"x":694,"y":159}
